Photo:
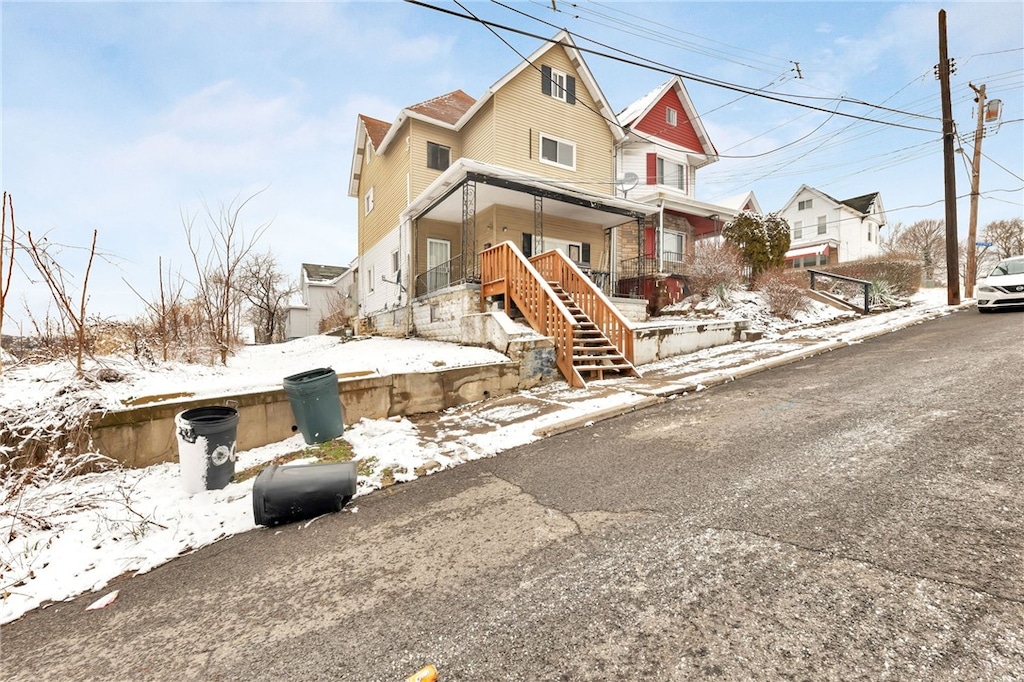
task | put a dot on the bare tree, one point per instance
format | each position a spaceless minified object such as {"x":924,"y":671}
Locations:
{"x":1007,"y":236}
{"x":891,"y":244}
{"x":53,"y":275}
{"x":925,"y":239}
{"x":6,"y":261}
{"x":217,"y":268}
{"x":164,"y":313}
{"x":266,"y":289}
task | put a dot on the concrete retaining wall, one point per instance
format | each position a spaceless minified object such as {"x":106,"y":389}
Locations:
{"x":143,"y":436}
{"x":668,"y":340}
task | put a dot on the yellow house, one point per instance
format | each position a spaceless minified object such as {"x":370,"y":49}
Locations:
{"x":456,"y":187}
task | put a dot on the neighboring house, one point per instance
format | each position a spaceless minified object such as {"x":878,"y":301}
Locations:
{"x":327,"y":300}
{"x":827,"y":231}
{"x":665,"y":145}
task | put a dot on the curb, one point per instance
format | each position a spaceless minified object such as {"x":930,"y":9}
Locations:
{"x":599,"y":415}
{"x":721,"y":378}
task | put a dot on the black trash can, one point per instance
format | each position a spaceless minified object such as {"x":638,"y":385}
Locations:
{"x":316,"y":405}
{"x":282,"y":494}
{"x":206,"y":447}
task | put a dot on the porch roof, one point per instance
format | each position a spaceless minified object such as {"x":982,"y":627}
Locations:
{"x":496,"y":185}
{"x":815,"y":250}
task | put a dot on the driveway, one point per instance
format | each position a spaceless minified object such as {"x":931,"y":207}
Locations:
{"x":851,"y":516}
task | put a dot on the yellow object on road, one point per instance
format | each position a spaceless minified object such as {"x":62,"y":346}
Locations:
{"x":427,"y":674}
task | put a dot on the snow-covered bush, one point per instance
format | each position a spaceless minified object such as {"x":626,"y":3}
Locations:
{"x":715,"y":269}
{"x":782,"y":291}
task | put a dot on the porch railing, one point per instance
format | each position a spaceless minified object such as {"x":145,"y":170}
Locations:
{"x":505,"y":271}
{"x":555,"y":266}
{"x":447,"y":274}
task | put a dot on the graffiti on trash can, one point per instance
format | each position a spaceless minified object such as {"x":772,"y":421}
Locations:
{"x":222,"y":454}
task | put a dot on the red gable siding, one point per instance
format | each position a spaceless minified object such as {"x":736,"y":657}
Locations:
{"x":681,"y":134}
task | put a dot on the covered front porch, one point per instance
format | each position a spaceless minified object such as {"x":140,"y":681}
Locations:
{"x":475,"y":205}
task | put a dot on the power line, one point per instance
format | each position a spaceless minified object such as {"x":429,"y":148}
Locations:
{"x":662,"y":68}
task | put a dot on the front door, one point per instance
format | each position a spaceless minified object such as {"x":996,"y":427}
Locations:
{"x":439,"y":267}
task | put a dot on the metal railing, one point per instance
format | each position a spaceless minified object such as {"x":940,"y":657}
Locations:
{"x":865,"y":285}
{"x":447,"y":274}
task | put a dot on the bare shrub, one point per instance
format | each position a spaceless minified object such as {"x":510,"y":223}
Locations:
{"x":782,"y":291}
{"x":71,"y":312}
{"x":715,"y":268}
{"x":902,"y":276}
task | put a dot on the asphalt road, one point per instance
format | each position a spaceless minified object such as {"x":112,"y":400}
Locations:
{"x":852,"y":516}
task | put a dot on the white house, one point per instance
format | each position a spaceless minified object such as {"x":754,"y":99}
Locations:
{"x":327,"y":294}
{"x":827,"y":230}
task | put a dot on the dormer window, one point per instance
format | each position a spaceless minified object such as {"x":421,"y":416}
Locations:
{"x":557,"y":84}
{"x":671,"y":116}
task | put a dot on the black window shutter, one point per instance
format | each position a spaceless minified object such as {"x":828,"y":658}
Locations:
{"x":527,"y":244}
{"x":545,"y":80}
{"x":570,"y":90}
{"x":585,"y":253}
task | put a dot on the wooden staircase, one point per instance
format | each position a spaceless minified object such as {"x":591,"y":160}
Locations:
{"x":592,"y":339}
{"x":593,"y":354}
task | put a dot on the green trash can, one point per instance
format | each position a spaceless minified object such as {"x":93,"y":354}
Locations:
{"x":316,"y":405}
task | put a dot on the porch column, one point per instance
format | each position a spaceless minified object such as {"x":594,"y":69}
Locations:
{"x":469,"y":255}
{"x":538,"y":224}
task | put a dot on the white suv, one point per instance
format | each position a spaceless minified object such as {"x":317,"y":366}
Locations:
{"x":1004,"y":286}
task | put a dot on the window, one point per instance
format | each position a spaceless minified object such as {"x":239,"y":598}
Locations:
{"x":557,"y":152}
{"x":821,"y":224}
{"x":806,"y":203}
{"x":369,"y":279}
{"x":673,"y":246}
{"x":671,"y":174}
{"x":438,"y":156}
{"x":368,"y":201}
{"x":558,"y":84}
{"x":574,"y":253}
{"x":798,"y":229}
{"x":394,"y":261}
{"x":527,"y":244}
{"x":869,"y":234}
{"x":671,"y":116}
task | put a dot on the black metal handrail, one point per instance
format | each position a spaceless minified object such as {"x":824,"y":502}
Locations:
{"x":863,"y":283}
{"x":447,"y":274}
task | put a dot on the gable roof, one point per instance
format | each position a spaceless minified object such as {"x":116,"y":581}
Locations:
{"x":323,"y":273}
{"x":456,"y":108}
{"x":446,"y":108}
{"x":563,"y":39}
{"x":634,"y":114}
{"x":861,"y":205}
{"x":375,"y":129}
{"x":741,"y":202}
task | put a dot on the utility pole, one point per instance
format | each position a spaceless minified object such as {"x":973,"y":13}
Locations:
{"x":952,"y":251}
{"x":971,"y":272}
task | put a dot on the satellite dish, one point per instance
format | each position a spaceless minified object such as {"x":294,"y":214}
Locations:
{"x":628,"y":181}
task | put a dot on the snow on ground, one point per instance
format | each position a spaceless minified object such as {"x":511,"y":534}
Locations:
{"x":68,"y":535}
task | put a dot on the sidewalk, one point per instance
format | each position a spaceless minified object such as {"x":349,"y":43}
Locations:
{"x":549,"y":410}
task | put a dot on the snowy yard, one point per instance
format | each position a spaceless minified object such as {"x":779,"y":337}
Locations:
{"x":67,"y":535}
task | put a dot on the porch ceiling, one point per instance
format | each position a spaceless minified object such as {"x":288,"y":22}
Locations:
{"x":501,"y":187}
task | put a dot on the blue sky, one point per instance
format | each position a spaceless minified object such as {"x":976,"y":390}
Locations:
{"x":122,"y":117}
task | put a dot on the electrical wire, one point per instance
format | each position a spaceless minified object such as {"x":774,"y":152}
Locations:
{"x":661,"y":68}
